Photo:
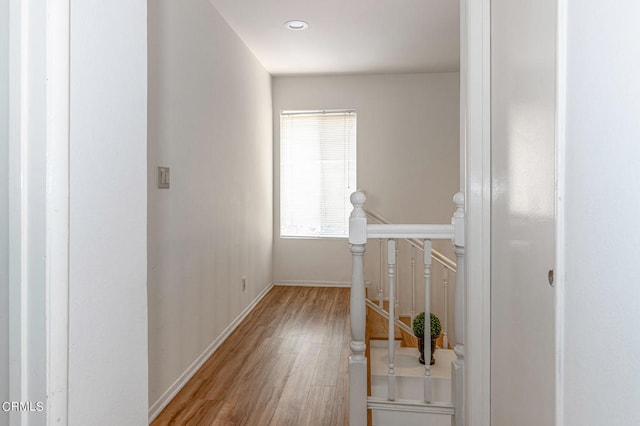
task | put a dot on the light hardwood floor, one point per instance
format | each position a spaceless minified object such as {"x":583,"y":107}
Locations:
{"x":286,"y":364}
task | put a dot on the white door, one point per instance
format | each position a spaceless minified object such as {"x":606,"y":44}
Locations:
{"x":523,"y":211}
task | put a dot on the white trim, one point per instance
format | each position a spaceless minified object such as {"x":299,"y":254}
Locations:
{"x":307,"y":283}
{"x":318,"y":112}
{"x":475,"y":76}
{"x":559,"y":274}
{"x":173,"y":390}
{"x":26,"y":180}
{"x":408,"y":406}
{"x":22,"y":241}
{"x":393,"y":230}
{"x":57,"y":211}
{"x":16,"y":77}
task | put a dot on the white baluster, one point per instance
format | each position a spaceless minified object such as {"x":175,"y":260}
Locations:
{"x":391,"y":255}
{"x":445,"y":321}
{"x":357,"y":360}
{"x":412,"y":264}
{"x":427,"y":320}
{"x":457,"y":373}
{"x":380,"y":274}
{"x":396,"y":301}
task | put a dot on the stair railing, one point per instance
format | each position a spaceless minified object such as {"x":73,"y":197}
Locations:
{"x":415,"y":246}
{"x":359,"y":232}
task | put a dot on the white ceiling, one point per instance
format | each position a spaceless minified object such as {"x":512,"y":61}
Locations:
{"x":348,"y":36}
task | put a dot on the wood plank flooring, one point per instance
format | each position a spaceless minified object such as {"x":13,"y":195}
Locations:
{"x":286,"y":364}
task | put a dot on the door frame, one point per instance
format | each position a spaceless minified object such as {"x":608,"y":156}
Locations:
{"x":475,"y":158}
{"x":39,"y":207}
{"x":58,"y":210}
{"x":475,"y":127}
{"x":560,"y":225}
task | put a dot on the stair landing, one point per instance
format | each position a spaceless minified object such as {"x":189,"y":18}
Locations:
{"x":406,"y":361}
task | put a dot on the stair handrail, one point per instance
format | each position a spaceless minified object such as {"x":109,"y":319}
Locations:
{"x":445,"y":261}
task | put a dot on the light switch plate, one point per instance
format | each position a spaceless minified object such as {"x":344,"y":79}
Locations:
{"x":164,"y":178}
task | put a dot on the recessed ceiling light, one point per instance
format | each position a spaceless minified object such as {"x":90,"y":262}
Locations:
{"x":296,"y":25}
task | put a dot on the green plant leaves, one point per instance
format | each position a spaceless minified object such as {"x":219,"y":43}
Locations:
{"x":418,"y":325}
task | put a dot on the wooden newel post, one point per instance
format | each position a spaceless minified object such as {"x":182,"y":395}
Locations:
{"x":357,"y":360}
{"x":458,"y":367}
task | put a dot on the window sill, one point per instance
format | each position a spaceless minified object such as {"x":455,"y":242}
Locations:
{"x":324,"y":237}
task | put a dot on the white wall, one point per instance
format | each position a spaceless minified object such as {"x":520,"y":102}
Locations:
{"x":210,"y":122}
{"x":601,"y":357}
{"x":107,"y":296}
{"x":408,"y":144}
{"x":407,"y":156}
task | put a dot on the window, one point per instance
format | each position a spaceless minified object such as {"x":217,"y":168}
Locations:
{"x":317,"y":172}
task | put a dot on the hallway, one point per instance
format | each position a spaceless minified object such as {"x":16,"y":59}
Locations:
{"x":285,"y":364}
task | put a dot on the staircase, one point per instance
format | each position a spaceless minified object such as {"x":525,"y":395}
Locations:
{"x":387,"y":384}
{"x":378,"y":325}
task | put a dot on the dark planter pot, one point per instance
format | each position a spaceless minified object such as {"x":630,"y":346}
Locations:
{"x":421,"y":348}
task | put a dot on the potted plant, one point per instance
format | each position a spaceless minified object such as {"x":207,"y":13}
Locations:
{"x":418,"y":330}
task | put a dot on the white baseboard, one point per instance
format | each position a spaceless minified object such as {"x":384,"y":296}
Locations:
{"x":173,"y":390}
{"x":301,"y":283}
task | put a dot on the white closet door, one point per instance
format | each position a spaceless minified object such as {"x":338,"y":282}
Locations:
{"x":523,"y":212}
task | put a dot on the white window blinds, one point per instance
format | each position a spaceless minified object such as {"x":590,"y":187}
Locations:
{"x":317,"y":172}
